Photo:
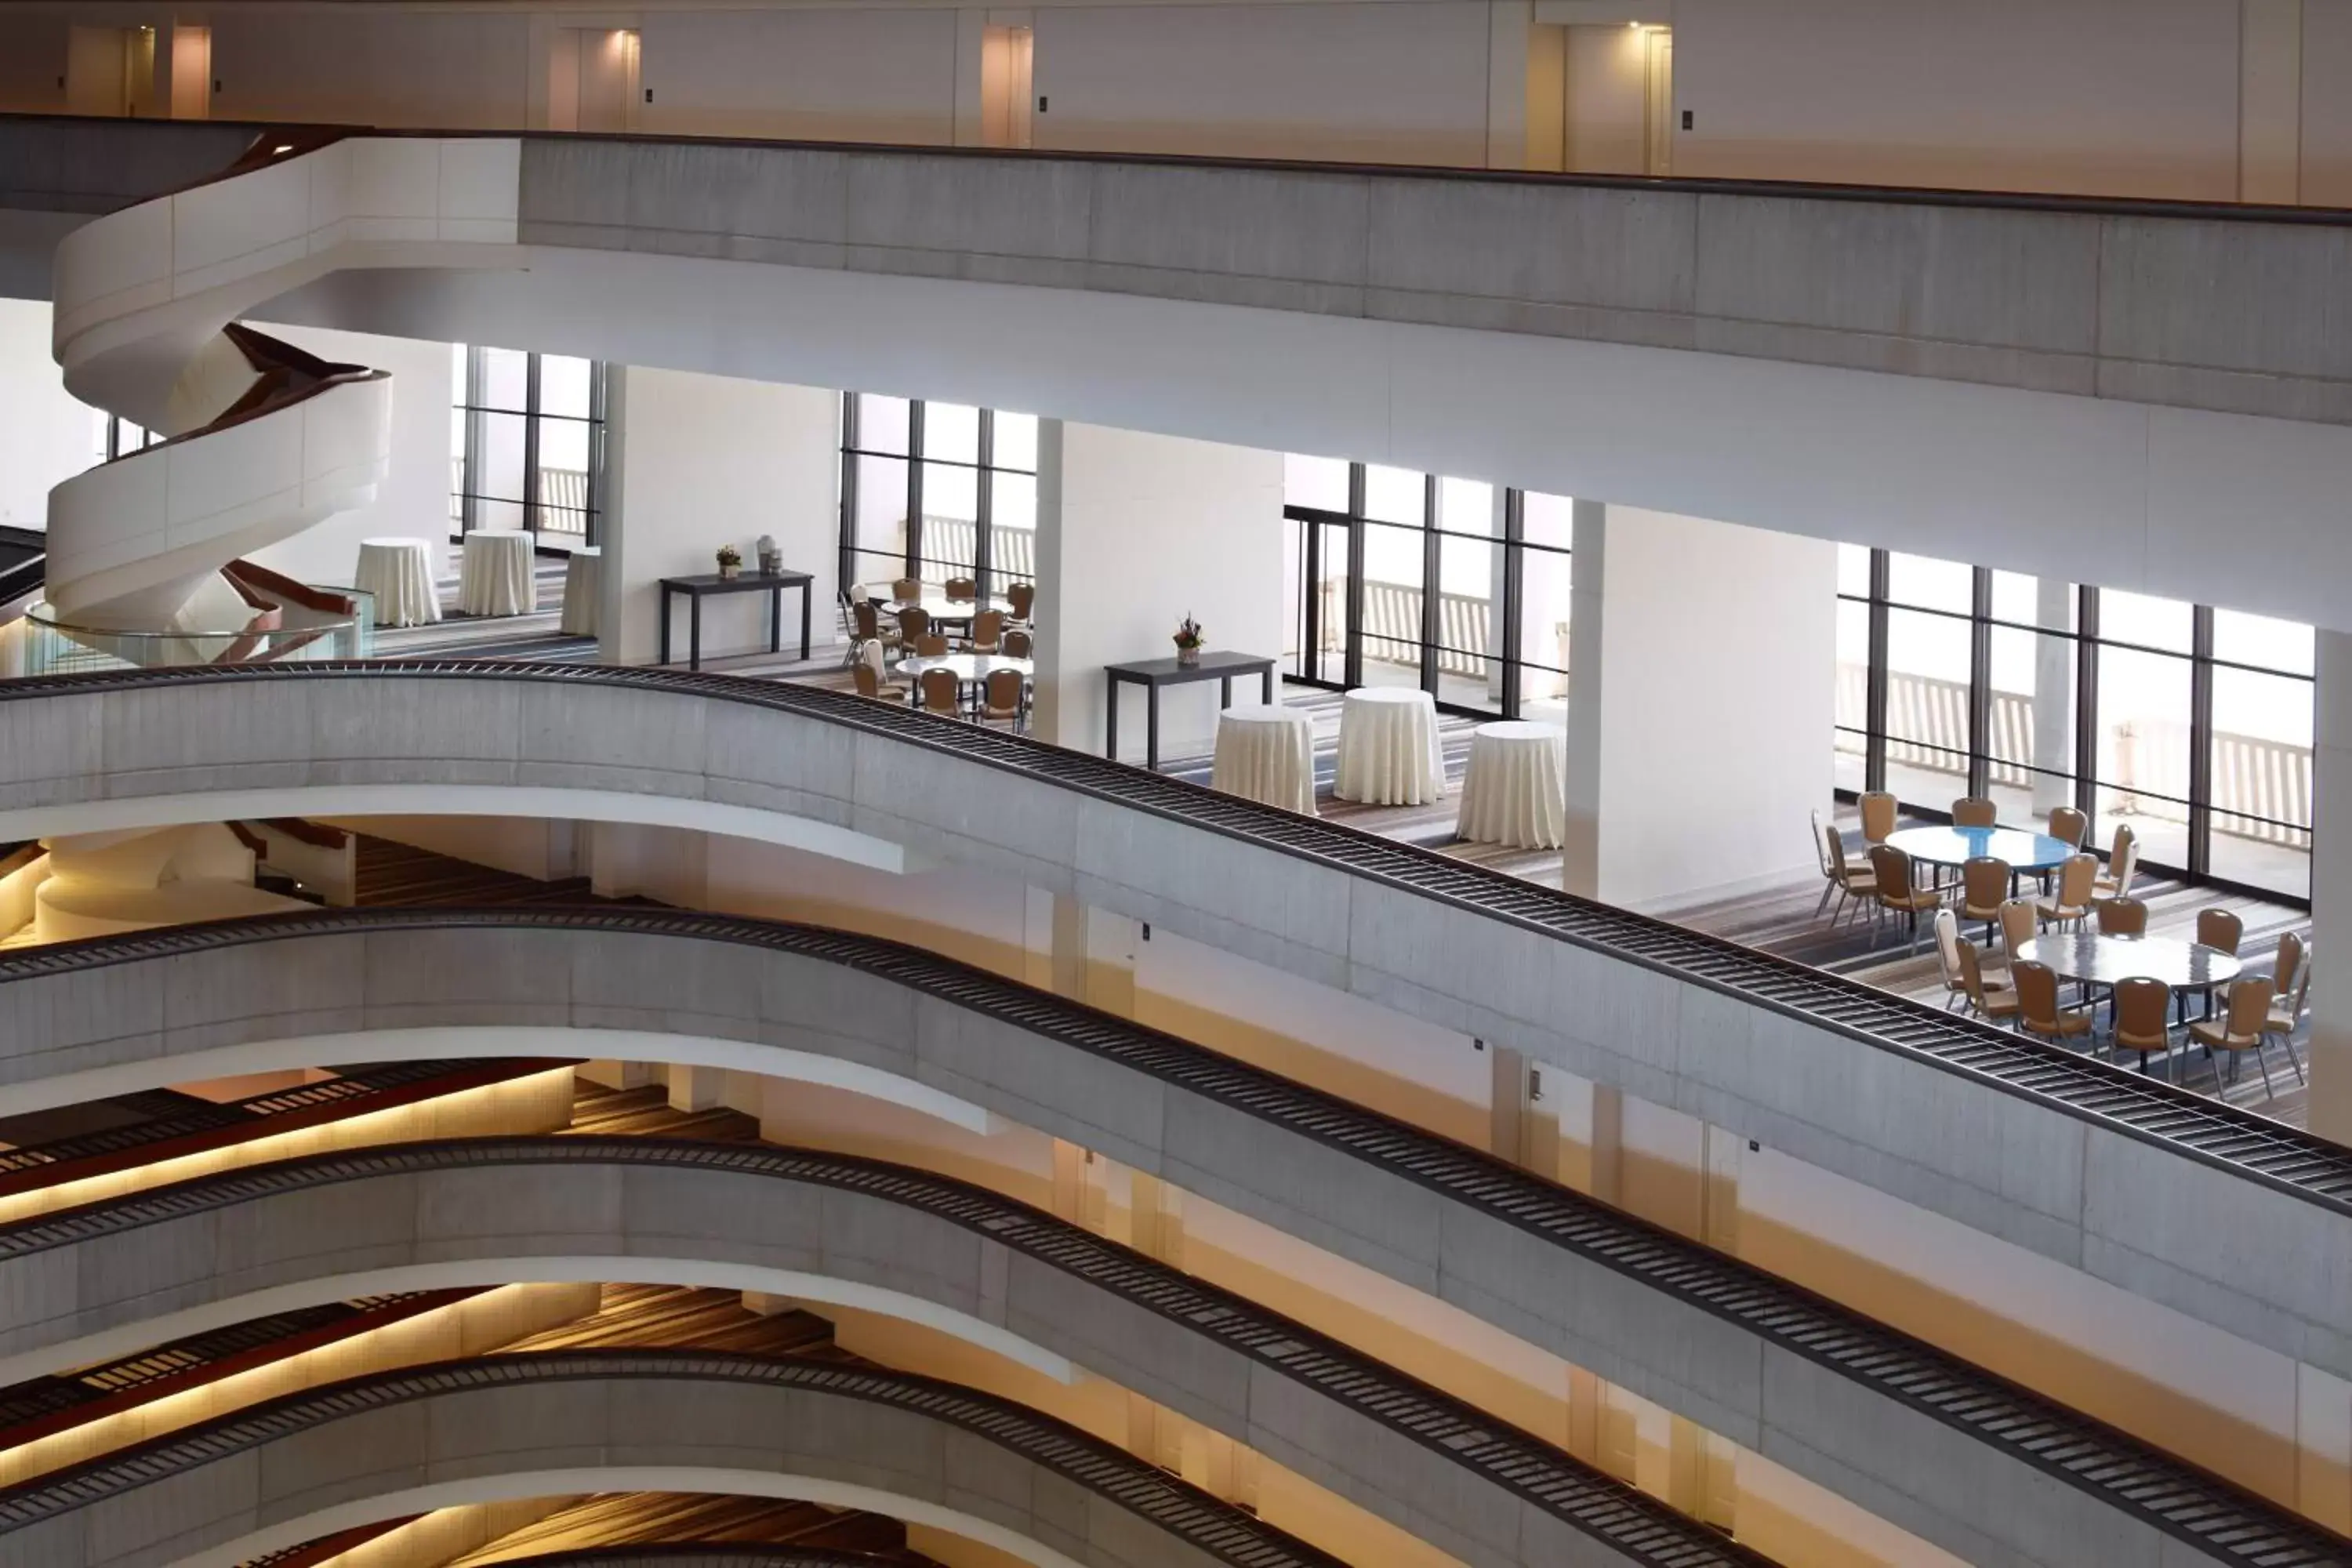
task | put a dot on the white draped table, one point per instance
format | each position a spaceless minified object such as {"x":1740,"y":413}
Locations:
{"x":398,"y":574}
{"x":496,"y":578}
{"x":1387,"y":747}
{"x":583,"y":576}
{"x":1515,"y":791}
{"x":1266,"y":753}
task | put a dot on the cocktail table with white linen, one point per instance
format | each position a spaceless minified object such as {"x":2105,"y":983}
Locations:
{"x":496,"y":578}
{"x":583,"y":576}
{"x":1387,"y":747}
{"x":398,"y":574}
{"x":1266,"y":753}
{"x":1516,"y":790}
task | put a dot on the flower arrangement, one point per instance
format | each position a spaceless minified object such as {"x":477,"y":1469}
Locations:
{"x":730,"y":561}
{"x":1188,"y":641}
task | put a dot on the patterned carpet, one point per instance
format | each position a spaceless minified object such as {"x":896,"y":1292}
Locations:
{"x":455,"y":636}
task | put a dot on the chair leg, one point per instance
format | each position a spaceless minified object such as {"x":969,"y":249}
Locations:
{"x":2267,"y":1091}
{"x":1827,"y":889}
{"x":2288,"y":1041}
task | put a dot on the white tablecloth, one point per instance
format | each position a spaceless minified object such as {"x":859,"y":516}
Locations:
{"x":399,"y":573}
{"x":1387,"y":747}
{"x":584,"y":577}
{"x":495,"y":579}
{"x":1515,"y":791}
{"x":1266,"y":753}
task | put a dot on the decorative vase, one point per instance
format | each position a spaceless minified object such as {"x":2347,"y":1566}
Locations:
{"x":728,"y":569}
{"x":1188,"y":655}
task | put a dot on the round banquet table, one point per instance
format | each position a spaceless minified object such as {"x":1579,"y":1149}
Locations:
{"x":970,"y":669}
{"x":582,"y":575}
{"x":1266,"y":753}
{"x":2024,"y":851}
{"x":1515,"y":791}
{"x":949,"y":612}
{"x":2104,"y":960}
{"x":1387,"y":747}
{"x":496,"y":578}
{"x":399,"y":573}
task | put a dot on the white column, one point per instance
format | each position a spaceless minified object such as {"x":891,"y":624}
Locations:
{"x":2331,"y":893}
{"x":1702,"y":698}
{"x":613,"y":525}
{"x":2053,"y":697}
{"x":1134,"y":532}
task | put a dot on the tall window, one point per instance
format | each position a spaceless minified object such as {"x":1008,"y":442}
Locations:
{"x":1398,"y":578}
{"x":112,"y":437}
{"x":525,"y":444}
{"x":2192,"y":725}
{"x":936,"y":491}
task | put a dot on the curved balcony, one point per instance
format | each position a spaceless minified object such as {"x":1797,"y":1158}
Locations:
{"x":2101,"y":1169}
{"x":522,"y":1425}
{"x":1829,"y":1393}
{"x":431,"y":1210}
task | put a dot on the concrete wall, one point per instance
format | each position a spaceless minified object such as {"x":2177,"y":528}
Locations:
{"x":1145,"y":529}
{"x":1933,"y":1479}
{"x":707,"y":460}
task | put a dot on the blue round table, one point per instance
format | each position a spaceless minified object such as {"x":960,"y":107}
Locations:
{"x":2024,"y":850}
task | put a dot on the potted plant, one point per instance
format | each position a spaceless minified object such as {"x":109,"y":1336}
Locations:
{"x":730,"y":561}
{"x":1188,"y":641}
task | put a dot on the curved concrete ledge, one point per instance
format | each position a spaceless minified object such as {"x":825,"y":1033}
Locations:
{"x":303,"y":1229}
{"x":358,"y":1450}
{"x":1934,"y":1446}
{"x":2236,"y":1221}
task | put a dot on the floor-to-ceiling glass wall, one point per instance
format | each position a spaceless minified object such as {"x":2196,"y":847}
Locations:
{"x":936,"y":491}
{"x":1400,"y":578}
{"x":2192,"y":725}
{"x":525,"y":444}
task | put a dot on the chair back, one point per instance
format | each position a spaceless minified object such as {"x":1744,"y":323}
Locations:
{"x":1975,"y":810}
{"x":2076,"y":877}
{"x":869,"y":683}
{"x":2070,"y":825}
{"x":2125,"y":839}
{"x":2019,"y":923}
{"x":2122,"y":916}
{"x":1833,"y":846}
{"x":2286,"y":974}
{"x":864,"y":620}
{"x":905,"y":588}
{"x":1820,"y":850}
{"x":1020,"y":595}
{"x":1016,"y":645}
{"x":1004,"y":693}
{"x":931,"y":644}
{"x":1891,"y":868}
{"x":987,"y":630}
{"x":1877,"y":815}
{"x":2037,"y":992}
{"x":1948,"y":946}
{"x":2123,"y":862}
{"x":941,"y":691}
{"x":857,"y":591}
{"x":913,"y":624}
{"x":1984,"y":885}
{"x":2141,"y":1005}
{"x":962,"y":590}
{"x":2219,"y":927}
{"x":1971,"y":964}
{"x":2250,"y":1004}
{"x":870,"y":657}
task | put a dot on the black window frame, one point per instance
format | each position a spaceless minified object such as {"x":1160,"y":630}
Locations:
{"x":985,"y":569}
{"x":466,"y":501}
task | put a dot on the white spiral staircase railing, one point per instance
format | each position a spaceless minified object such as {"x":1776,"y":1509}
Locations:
{"x":263,"y":441}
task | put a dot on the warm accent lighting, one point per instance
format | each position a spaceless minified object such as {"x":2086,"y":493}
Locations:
{"x":280,"y":149}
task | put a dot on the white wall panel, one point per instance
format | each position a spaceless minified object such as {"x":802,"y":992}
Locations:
{"x":452,"y":70}
{"x":47,"y":434}
{"x":2326,"y":104}
{"x":835,"y":75}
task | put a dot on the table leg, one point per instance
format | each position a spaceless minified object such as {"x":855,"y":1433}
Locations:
{"x":664,"y":626}
{"x":1110,"y":721}
{"x":776,"y":620}
{"x":1225,"y":692}
{"x":806,"y":593}
{"x":693,"y":631}
{"x":1151,"y":727}
{"x":1265,"y":686}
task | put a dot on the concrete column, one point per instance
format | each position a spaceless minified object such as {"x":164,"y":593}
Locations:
{"x":2053,"y":696}
{"x":1701,"y":684}
{"x":694,"y":1087}
{"x":1134,"y":532}
{"x":2331,"y":893}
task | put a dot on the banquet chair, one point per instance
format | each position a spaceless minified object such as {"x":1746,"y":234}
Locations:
{"x":2072,"y":901}
{"x":1892,"y":886}
{"x":1017,"y":644}
{"x":1993,"y":1001}
{"x":2241,"y":1026}
{"x":931,"y":644}
{"x":875,"y":659}
{"x":2019,"y":924}
{"x":1847,"y":879}
{"x":2069,"y":825}
{"x":1975,"y":810}
{"x":2037,"y":1005}
{"x":2286,"y":971}
{"x":1984,"y":888}
{"x":2287,"y":1004}
{"x":2123,"y":862}
{"x":1877,"y":815}
{"x":2138,"y":1023}
{"x":1022,"y":597}
{"x":987,"y":631}
{"x":913,"y":624}
{"x":1005,"y":696}
{"x":2122,"y":916}
{"x":905,"y":590}
{"x":941,"y":692}
{"x":962,"y":590}
{"x":2219,"y":927}
{"x":1948,"y":959}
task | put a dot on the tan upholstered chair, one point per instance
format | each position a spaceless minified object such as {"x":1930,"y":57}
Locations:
{"x":2038,"y":1012}
{"x":1947,"y":958}
{"x":2219,"y":927}
{"x":941,"y":691}
{"x":987,"y":631}
{"x":2141,"y":1006}
{"x":1984,"y":888}
{"x":875,"y":660}
{"x":1022,"y":597}
{"x":2286,"y":974}
{"x":1992,"y":1001}
{"x":2122,"y":863}
{"x":1975,"y":810}
{"x":905,"y":590}
{"x":2287,"y":1003}
{"x":1891,"y":885}
{"x":913,"y":624}
{"x":1847,"y":879}
{"x":1018,"y":643}
{"x":2019,"y":924}
{"x":865,"y":626}
{"x":2240,"y":1027}
{"x":931,"y":644}
{"x":1877,"y":815}
{"x":962,"y":590}
{"x":1006,"y":698}
{"x":2122,"y":916}
{"x":2072,"y":901}
{"x":862,"y":675}
{"x":2069,"y":823}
